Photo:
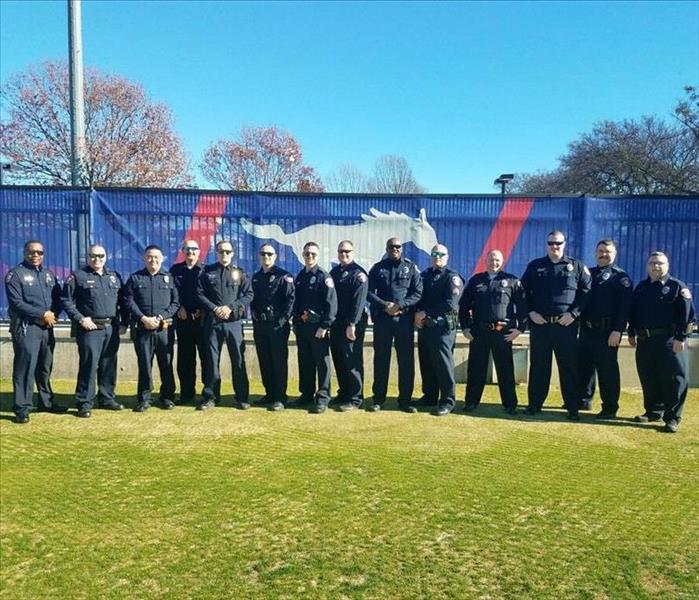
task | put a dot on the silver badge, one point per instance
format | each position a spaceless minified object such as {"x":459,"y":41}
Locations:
{"x":112,"y":278}
{"x":313,"y":280}
{"x":345,"y":274}
{"x":569,"y":267}
{"x":405,"y":269}
{"x":272,"y":278}
{"x":28,"y":278}
{"x":605,"y":276}
{"x":166,"y":279}
{"x":665,"y":290}
{"x":503,"y":283}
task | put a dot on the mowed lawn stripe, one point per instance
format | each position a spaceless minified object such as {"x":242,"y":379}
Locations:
{"x":229,"y":503}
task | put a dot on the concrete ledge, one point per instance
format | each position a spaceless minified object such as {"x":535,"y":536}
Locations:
{"x":65,"y":359}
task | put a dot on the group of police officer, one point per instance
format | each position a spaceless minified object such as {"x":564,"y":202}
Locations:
{"x":574,"y":313}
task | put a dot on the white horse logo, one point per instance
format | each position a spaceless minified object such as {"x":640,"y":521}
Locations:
{"x":369,"y":237}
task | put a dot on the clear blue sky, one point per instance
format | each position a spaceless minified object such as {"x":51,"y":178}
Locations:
{"x":464,"y":91}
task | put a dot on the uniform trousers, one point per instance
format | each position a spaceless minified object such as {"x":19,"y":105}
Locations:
{"x":348,"y":358}
{"x":545,"y":340}
{"x":158,"y":343}
{"x":272,"y":345}
{"x":97,"y":366}
{"x":595,"y":355}
{"x":484,"y":342}
{"x":663,"y":375}
{"x":435,"y":350}
{"x":190,"y":342}
{"x":399,"y":332}
{"x":314,"y":358}
{"x":33,"y":360}
{"x":231,"y":334}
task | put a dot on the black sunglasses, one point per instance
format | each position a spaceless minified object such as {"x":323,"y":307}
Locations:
{"x":310,"y":254}
{"x":190,"y":249}
{"x":96,"y":256}
{"x":344,"y":250}
{"x":35,"y":252}
{"x":225,"y":251}
{"x":266,"y":253}
{"x":394,"y":246}
{"x":555,"y":243}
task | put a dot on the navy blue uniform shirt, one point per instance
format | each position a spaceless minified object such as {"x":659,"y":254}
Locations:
{"x":395,"y":281}
{"x":31,"y":291}
{"x":663,"y":303}
{"x":86,"y":293}
{"x":273,"y":295}
{"x":225,"y":286}
{"x":487,"y":300}
{"x":315,"y":290}
{"x":610,"y":297}
{"x":151,"y":295}
{"x":351,"y":283}
{"x":186,"y":280}
{"x":556,"y":288}
{"x":441,"y":291}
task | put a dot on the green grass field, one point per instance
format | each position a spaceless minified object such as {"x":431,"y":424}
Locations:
{"x":232,"y":504}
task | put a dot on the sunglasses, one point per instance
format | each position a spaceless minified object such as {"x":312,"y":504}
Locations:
{"x":190,"y":249}
{"x":344,"y":250}
{"x":266,"y":253}
{"x":224,"y":251}
{"x":555,"y":243}
{"x":394,"y":246}
{"x":438,"y":254}
{"x":96,"y":256}
{"x":310,"y":254}
{"x":35,"y":252}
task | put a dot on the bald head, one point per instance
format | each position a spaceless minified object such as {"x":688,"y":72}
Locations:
{"x":494,"y":261}
{"x":439,"y":255}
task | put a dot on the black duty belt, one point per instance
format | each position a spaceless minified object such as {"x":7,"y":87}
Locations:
{"x":600,"y":324}
{"x":493,"y":325}
{"x":644,"y":334}
{"x":102,"y":323}
{"x":552,"y":319}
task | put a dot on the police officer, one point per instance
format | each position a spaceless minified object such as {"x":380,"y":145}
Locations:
{"x":662,"y":314}
{"x":557,"y":288}
{"x":272,"y":305}
{"x":152,"y":300}
{"x":492,"y":314}
{"x":347,"y":332}
{"x":93,"y":300}
{"x":436,"y":320}
{"x":188,"y":320}
{"x":395,"y":287}
{"x":225,"y":292}
{"x":601,"y":324}
{"x":34,"y":300}
{"x":315,"y":307}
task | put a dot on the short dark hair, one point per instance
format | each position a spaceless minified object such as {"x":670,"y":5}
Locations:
{"x":218,"y":244}
{"x":307,"y":244}
{"x":153,"y":247}
{"x":606,"y":243}
{"x":266,"y":244}
{"x":556,"y":232}
{"x":345,"y":242}
{"x":29,"y":243}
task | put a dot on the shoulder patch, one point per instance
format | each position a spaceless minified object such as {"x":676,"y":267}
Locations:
{"x":685,"y":293}
{"x":288,"y":279}
{"x":586,"y":270}
{"x":329,"y":282}
{"x":362,"y":277}
{"x":8,"y":277}
{"x":626,"y":282}
{"x":456,"y":280}
{"x":71,"y":278}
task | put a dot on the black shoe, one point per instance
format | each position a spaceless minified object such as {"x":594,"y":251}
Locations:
{"x":531,"y":411}
{"x":141,"y":407}
{"x":374,"y":407}
{"x":603,"y":414}
{"x":113,"y":405}
{"x":573,"y":416}
{"x":646,"y":418}
{"x":22,"y":418}
{"x":511,"y":410}
{"x":84,"y":412}
{"x":167,"y":404}
{"x":425,"y":402}
{"x":347,"y":407}
{"x":408,"y":408}
{"x":206,"y":405}
{"x":277,"y":406}
{"x":441,"y":411}
{"x":672,"y":426}
{"x":298,"y":403}
{"x":336,"y":400}
{"x":242,"y":405}
{"x":55,"y":409}
{"x":586,"y":405}
{"x":470,"y":407}
{"x":318,"y":409}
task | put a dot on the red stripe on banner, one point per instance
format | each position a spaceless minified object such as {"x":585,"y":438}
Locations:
{"x":506,"y":230}
{"x":206,"y":218}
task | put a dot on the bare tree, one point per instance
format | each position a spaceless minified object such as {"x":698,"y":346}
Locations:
{"x":346,"y":179}
{"x":260,"y":159}
{"x":130,"y":141}
{"x":393,"y":175}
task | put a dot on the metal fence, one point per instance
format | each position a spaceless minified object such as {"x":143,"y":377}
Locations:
{"x":126,"y":220}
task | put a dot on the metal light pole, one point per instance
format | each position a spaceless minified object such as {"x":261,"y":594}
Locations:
{"x":503,"y":180}
{"x":77,"y":100}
